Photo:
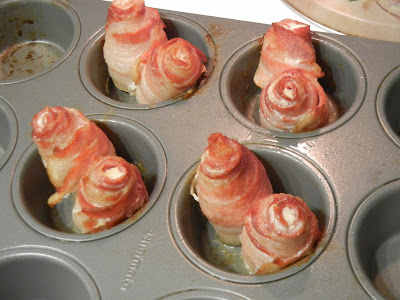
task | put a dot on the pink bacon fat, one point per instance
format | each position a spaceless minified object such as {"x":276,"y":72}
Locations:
{"x":132,"y":32}
{"x":279,"y":230}
{"x":67,"y":142}
{"x":173,"y":69}
{"x":111,"y":191}
{"x":229,"y":179}
{"x":294,"y":101}
{"x":286,"y":45}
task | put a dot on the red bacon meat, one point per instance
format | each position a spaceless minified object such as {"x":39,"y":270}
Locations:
{"x":67,"y":142}
{"x":294,"y":101}
{"x":286,"y":45}
{"x":111,"y":191}
{"x":132,"y":32}
{"x":172,"y":70}
{"x":229,"y":179}
{"x":279,"y":230}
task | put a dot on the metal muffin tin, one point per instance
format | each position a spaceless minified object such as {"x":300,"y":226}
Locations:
{"x":347,"y":172}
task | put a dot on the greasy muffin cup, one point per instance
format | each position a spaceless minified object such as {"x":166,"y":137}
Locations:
{"x":288,"y":173}
{"x":31,"y":187}
{"x":94,"y":72}
{"x":344,"y":83}
{"x":36,"y":36}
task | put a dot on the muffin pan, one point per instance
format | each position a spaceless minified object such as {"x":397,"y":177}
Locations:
{"x":347,"y":172}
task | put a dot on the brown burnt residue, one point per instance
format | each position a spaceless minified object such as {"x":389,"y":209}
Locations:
{"x":21,"y":60}
{"x":28,"y":21}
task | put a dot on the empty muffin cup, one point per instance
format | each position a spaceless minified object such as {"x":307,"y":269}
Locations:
{"x":289,"y":173}
{"x":344,"y":83}
{"x":39,"y":273}
{"x":8,"y":132}
{"x":388,"y":106}
{"x":94,"y":72}
{"x":36,"y":36}
{"x":374,"y":242}
{"x":31,"y":187}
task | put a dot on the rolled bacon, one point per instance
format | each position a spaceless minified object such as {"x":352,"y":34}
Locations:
{"x":173,"y":69}
{"x":279,"y":230}
{"x":67,"y":142}
{"x":229,"y":179}
{"x":111,"y":191}
{"x":294,"y":101}
{"x":132,"y":32}
{"x":286,"y":45}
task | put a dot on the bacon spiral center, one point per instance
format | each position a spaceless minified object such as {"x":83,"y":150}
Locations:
{"x":221,"y":156}
{"x":292,"y":95}
{"x":293,"y":101}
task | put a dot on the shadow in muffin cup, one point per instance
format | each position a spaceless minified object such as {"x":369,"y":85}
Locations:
{"x":94,"y":72}
{"x":8,"y":131}
{"x":31,"y":187}
{"x":344,"y":83}
{"x":36,"y":36}
{"x":43,"y":274}
{"x":374,"y":242}
{"x":388,"y":105}
{"x":288,"y":173}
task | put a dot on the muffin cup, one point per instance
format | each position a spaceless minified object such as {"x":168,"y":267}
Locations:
{"x":44,"y":274}
{"x":202,"y":294}
{"x":388,"y":106}
{"x":289,"y":173}
{"x":8,"y":131}
{"x":31,"y":187}
{"x":36,"y":36}
{"x":94,"y":71}
{"x":374,"y":242}
{"x":344,"y":82}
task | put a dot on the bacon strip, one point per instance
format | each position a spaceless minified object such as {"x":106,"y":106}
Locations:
{"x":279,"y":230}
{"x":229,"y":179}
{"x":286,"y":45}
{"x":173,"y":69}
{"x":132,"y":32}
{"x":111,"y":191}
{"x":294,"y":101}
{"x":67,"y":142}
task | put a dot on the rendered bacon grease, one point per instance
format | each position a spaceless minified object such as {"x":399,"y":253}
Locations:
{"x":228,"y":181}
{"x":67,"y":142}
{"x":286,"y":45}
{"x":173,"y":69}
{"x":141,"y":60}
{"x":111,"y":190}
{"x":132,"y":31}
{"x":294,"y":101}
{"x":279,"y":230}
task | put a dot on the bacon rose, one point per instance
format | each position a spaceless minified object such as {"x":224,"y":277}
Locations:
{"x":67,"y":142}
{"x":229,"y":179}
{"x":172,"y":70}
{"x":110,"y":191}
{"x":286,"y":45}
{"x":279,"y":230}
{"x":294,"y":101}
{"x":132,"y":32}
